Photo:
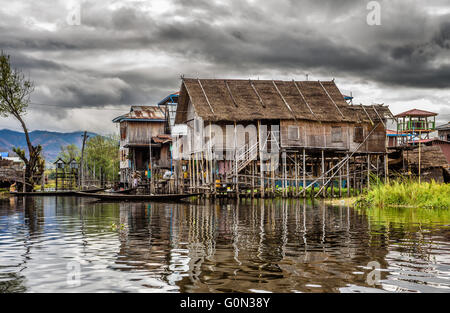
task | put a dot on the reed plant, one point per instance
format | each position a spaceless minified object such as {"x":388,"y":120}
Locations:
{"x":407,"y":192}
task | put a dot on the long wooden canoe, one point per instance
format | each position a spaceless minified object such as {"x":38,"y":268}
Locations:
{"x":124,"y":197}
{"x":125,"y":191}
{"x":93,"y":190}
{"x":55,"y":193}
{"x":45,"y":193}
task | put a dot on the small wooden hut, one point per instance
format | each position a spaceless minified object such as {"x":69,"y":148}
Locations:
{"x":143,"y":133}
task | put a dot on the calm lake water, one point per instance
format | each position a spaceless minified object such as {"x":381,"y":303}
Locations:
{"x":67,"y":244}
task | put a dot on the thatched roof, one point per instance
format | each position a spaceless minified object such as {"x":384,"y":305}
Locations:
{"x":247,"y":100}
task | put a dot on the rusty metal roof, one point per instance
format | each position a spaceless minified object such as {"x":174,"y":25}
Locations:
{"x":143,"y":113}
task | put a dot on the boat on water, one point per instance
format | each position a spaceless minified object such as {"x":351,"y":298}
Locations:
{"x":44,"y":193}
{"x":93,"y":190}
{"x":55,"y":192}
{"x":126,"y":197}
{"x":123,"y":191}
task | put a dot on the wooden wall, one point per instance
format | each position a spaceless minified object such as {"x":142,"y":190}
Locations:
{"x":341,"y":136}
{"x":141,"y":132}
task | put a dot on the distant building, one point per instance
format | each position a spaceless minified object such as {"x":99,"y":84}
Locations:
{"x":416,"y":124}
{"x":394,"y":138}
{"x":444,"y":131}
{"x":144,"y":131}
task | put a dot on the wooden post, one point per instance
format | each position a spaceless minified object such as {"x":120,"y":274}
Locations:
{"x":378,"y":160}
{"x":323,"y":174}
{"x":348,"y":176}
{"x":340,"y":180}
{"x":355,"y":183}
{"x":386,"y":168}
{"x":420,"y":133}
{"x":361,"y":180}
{"x":368,"y":171}
{"x":236,"y":177}
{"x":332,"y":179}
{"x":261,"y":165}
{"x":284,"y":175}
{"x":296,"y":174}
{"x":253,"y":179}
{"x":81,"y":177}
{"x":197,"y":172}
{"x":304,"y":173}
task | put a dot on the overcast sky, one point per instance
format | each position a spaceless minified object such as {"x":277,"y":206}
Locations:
{"x":133,"y":52}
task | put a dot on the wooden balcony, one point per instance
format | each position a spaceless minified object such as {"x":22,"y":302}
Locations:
{"x":416,"y":126}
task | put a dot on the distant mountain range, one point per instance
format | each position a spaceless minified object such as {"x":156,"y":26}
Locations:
{"x":51,"y":142}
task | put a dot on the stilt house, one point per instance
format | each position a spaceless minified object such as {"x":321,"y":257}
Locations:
{"x":315,"y":131}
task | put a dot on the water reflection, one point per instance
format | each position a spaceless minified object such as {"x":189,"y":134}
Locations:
{"x":271,"y":245}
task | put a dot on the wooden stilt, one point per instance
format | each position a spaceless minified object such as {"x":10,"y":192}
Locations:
{"x":323,"y":174}
{"x":296,"y":174}
{"x":304,"y":172}
{"x":261,"y":164}
{"x":368,"y":171}
{"x":340,"y":181}
{"x":284,"y":182}
{"x":348,"y":176}
{"x":332,"y":180}
{"x":236,"y":177}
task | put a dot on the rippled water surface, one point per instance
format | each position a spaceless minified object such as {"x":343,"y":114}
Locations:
{"x":67,"y":244}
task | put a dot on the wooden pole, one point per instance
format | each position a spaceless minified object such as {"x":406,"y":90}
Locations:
{"x":261,"y":165}
{"x":340,"y":181}
{"x":81,"y":178}
{"x":420,"y":133}
{"x":368,"y":171}
{"x":323,"y":176}
{"x":348,"y":176}
{"x":211,"y":156}
{"x":304,"y":172}
{"x":296,"y":174}
{"x":253,"y":179}
{"x":236,"y":177}
{"x":386,"y":169}
{"x":332,"y":180}
{"x":284,"y":175}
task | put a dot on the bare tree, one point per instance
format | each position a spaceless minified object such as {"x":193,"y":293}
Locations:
{"x":15,"y":92}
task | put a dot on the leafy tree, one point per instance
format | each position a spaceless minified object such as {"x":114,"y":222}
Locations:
{"x":103,"y":152}
{"x":69,"y":152}
{"x":15,"y":92}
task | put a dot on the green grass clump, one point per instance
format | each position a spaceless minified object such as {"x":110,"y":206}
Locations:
{"x":405,"y":192}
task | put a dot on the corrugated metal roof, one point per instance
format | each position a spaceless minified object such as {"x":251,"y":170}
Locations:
{"x":443,"y":127}
{"x":142,"y":113}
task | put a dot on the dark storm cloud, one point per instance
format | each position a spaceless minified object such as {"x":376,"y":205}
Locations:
{"x":202,"y":37}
